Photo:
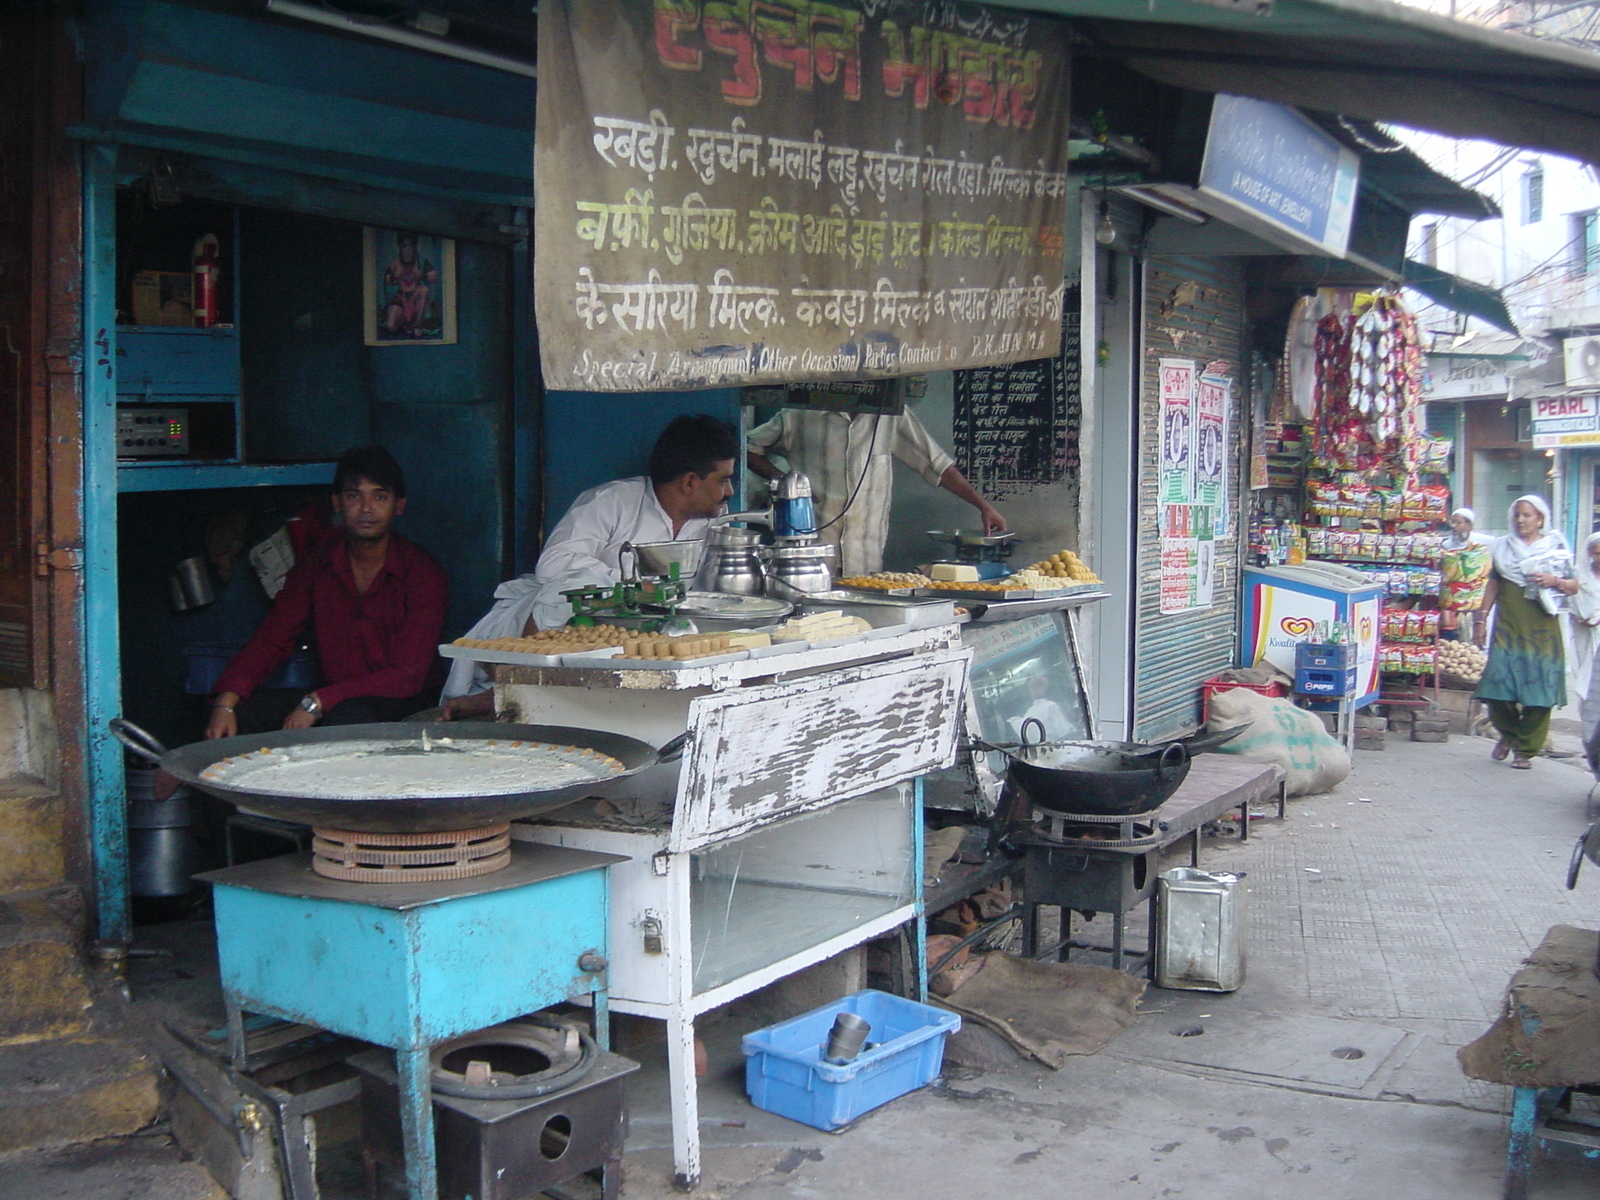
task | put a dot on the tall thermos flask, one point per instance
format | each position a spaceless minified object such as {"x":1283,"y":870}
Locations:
{"x":207,"y":266}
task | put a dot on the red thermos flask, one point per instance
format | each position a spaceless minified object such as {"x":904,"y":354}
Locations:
{"x":207,"y":266}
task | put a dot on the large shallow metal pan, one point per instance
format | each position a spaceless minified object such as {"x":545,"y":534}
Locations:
{"x":400,"y":814}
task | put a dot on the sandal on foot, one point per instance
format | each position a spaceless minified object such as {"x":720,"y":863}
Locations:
{"x":1501,"y":749}
{"x":1521,"y":764}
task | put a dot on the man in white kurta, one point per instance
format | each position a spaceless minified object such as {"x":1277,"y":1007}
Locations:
{"x":847,"y":458}
{"x":691,"y":472}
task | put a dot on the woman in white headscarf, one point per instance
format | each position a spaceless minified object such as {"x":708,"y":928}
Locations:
{"x":1526,"y":674}
{"x":1585,"y":612}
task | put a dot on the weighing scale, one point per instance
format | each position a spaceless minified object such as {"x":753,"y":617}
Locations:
{"x":986,"y":551}
{"x":636,"y":602}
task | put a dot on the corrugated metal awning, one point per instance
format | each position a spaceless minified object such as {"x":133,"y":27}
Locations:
{"x":1460,"y":295}
{"x":1374,"y":59}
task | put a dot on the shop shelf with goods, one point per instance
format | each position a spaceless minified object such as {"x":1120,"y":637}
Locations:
{"x":176,"y":352}
{"x":1402,"y":556}
{"x":1377,"y":492}
{"x":1284,"y":455}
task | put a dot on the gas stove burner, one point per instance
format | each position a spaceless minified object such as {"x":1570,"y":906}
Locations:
{"x":410,"y":857}
{"x":1076,"y":827}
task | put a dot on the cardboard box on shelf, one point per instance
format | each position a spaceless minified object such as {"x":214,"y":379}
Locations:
{"x":163,"y":298}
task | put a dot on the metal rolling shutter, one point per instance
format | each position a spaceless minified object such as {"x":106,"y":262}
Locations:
{"x":1194,"y":308}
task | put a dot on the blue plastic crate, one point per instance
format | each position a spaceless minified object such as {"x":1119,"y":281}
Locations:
{"x":785,"y":1073}
{"x":1325,"y":656}
{"x":1309,"y":681}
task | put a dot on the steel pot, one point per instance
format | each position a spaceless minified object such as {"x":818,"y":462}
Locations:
{"x":732,"y":563}
{"x":807,"y":569}
{"x":404,"y":814}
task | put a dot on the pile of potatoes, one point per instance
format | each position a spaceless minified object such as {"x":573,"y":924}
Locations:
{"x":1463,"y":660}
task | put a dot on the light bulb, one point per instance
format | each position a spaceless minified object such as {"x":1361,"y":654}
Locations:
{"x":1105,"y":233}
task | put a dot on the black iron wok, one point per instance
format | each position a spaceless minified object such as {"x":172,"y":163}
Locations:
{"x":399,"y":814}
{"x":1101,"y":779}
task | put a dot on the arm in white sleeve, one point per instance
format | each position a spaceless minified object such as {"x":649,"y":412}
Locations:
{"x":513,"y":602}
{"x":581,"y":552}
{"x":914,"y":446}
{"x":767,"y":437}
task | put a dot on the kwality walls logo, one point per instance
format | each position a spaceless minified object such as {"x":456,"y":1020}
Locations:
{"x":1297,"y":627}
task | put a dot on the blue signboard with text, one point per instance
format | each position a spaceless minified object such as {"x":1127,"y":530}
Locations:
{"x":1272,"y":163}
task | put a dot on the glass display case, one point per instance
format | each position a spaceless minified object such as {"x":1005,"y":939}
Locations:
{"x":764,"y":897}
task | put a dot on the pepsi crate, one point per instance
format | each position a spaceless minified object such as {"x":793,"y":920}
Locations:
{"x":1325,"y":668}
{"x":785,"y":1072}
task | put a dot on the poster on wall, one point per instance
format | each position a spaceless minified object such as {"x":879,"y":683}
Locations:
{"x":408,"y":288}
{"x":1176,"y":483}
{"x":796,"y":192}
{"x":1188,"y":557}
{"x":1213,"y":397}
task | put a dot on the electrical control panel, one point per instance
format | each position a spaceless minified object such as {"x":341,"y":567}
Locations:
{"x":147,"y":432}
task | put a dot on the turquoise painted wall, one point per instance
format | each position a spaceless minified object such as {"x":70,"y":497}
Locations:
{"x":313,"y":389}
{"x":591,"y":437}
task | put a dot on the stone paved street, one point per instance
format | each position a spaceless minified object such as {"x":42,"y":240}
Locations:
{"x":1398,"y":918}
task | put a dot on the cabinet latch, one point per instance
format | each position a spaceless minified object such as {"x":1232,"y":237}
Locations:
{"x":66,"y":558}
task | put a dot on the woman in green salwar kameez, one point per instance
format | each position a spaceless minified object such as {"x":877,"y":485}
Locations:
{"x":1526,"y":675}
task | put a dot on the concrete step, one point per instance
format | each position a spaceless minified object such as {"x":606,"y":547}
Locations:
{"x":32,"y":841}
{"x":74,"y":1090}
{"x":44,"y":984}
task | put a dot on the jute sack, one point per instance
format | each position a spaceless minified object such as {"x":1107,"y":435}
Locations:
{"x":1281,"y":733}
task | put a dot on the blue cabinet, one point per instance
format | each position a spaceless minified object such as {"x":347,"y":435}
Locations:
{"x":160,"y":362}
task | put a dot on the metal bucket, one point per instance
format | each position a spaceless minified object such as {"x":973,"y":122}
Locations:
{"x":1200,"y":931}
{"x":163,"y":852}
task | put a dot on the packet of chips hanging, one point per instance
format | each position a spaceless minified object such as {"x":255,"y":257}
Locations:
{"x":1465,"y":577}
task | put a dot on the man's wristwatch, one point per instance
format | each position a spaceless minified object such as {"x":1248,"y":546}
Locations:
{"x":309,"y":703}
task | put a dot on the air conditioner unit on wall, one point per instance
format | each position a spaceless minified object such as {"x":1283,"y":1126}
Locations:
{"x":1582,"y":355}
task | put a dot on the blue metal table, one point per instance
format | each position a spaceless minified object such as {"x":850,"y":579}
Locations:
{"x":411,"y":965}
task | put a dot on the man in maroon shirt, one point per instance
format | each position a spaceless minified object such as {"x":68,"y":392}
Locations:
{"x":376,"y":604}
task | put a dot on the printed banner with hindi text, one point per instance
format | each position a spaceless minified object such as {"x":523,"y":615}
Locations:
{"x":795,"y":191}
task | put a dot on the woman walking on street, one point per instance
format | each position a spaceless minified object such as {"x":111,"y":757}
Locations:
{"x":1585,"y":645}
{"x":1526,"y":674}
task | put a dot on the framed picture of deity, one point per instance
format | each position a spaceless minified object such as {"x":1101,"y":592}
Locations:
{"x":408,"y":288}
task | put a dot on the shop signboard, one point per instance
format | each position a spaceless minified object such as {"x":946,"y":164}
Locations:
{"x":1556,"y":419}
{"x":1267,"y":162}
{"x":792,"y":192}
{"x":1459,"y":377}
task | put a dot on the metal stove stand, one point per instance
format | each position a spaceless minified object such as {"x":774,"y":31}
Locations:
{"x":506,"y":1149}
{"x":1113,"y":875}
{"x":410,"y":965}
